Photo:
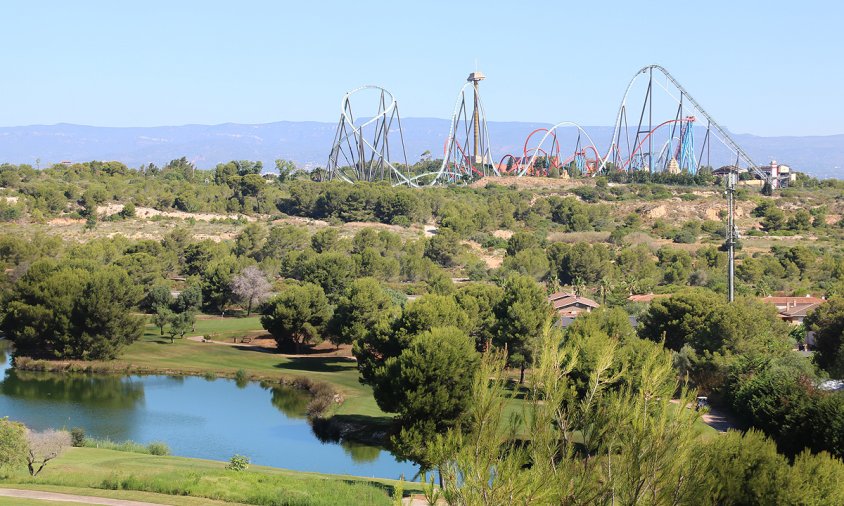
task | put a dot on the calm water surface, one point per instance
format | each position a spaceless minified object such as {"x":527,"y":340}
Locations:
{"x":211,"y":419}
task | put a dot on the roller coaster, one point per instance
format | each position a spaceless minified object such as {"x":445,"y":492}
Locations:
{"x":361,"y":149}
{"x":655,"y":132}
{"x":545,"y":157}
{"x":633,"y":148}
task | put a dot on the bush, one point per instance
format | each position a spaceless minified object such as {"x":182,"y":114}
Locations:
{"x":238,"y":463}
{"x":77,"y":437}
{"x":13,"y":444}
{"x":158,"y":448}
{"x":322,"y":399}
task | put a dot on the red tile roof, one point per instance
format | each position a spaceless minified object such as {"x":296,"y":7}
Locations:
{"x":562,"y":300}
{"x":794,"y":307}
{"x":782,"y":301}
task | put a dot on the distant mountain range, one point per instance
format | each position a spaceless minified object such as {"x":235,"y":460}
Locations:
{"x":308,"y":144}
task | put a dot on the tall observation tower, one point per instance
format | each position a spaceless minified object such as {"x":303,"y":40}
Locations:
{"x":474,"y":78}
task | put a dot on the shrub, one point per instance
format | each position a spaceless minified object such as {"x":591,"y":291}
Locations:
{"x":158,"y":448}
{"x":77,"y":437}
{"x":13,"y":443}
{"x":322,"y":399}
{"x":238,"y":463}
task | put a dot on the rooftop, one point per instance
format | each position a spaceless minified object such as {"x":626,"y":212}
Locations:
{"x":562,"y":299}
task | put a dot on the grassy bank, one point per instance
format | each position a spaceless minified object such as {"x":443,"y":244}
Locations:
{"x":195,"y":481}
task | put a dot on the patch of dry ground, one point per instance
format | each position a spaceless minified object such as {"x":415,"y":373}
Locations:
{"x":493,"y":258}
{"x":259,"y":339}
{"x":148,"y":212}
{"x":573,"y":237}
{"x":71,"y":229}
{"x":531,"y":182}
{"x":352,"y":227}
{"x":152,"y":224}
{"x":676,"y":209}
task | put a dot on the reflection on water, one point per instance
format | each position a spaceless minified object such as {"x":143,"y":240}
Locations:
{"x":360,"y":453}
{"x":195,"y":416}
{"x":93,"y":391}
{"x":293,"y":402}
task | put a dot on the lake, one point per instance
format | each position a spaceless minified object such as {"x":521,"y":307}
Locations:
{"x":196,"y":417}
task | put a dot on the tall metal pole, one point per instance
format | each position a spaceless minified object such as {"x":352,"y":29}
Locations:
{"x":476,"y":124}
{"x":732,"y":234}
{"x":475,"y":78}
{"x":650,"y":122}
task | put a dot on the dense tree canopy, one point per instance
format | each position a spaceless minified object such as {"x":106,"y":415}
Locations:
{"x":703,"y":320}
{"x":522,"y":315}
{"x":364,"y":306}
{"x":297,"y":315}
{"x":69,"y":311}
{"x":430,"y":388}
{"x":827,"y":321}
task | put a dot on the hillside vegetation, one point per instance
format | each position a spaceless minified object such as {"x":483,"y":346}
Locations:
{"x":405,"y":302}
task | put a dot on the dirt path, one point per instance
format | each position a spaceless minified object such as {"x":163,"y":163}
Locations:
{"x":268,"y":345}
{"x":80,"y":499}
{"x":719,"y":420}
{"x":201,"y":339}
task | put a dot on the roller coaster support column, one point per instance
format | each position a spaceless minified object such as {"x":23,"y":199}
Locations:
{"x":474,"y":78}
{"x":732,"y":234}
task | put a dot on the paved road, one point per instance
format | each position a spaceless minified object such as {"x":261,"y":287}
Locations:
{"x":719,"y":420}
{"x":79,"y":499}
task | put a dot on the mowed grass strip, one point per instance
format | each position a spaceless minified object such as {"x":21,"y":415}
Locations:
{"x":90,"y":468}
{"x":17,"y":501}
{"x":126,"y":495}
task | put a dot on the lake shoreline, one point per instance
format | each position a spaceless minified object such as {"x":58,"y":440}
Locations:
{"x":321,"y":411}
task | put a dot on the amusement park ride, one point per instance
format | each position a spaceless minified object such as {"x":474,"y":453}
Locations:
{"x":660,"y":137}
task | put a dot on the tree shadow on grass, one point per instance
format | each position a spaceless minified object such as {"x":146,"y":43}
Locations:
{"x":516,"y":390}
{"x":373,"y":430}
{"x":315,"y":364}
{"x":254,"y":349}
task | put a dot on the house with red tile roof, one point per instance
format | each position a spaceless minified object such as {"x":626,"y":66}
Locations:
{"x":794,"y":309}
{"x":569,"y":305}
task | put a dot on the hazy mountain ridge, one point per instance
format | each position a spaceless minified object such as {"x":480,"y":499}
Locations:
{"x":309,"y":142}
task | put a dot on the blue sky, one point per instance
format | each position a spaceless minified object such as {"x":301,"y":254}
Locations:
{"x":767,"y":68}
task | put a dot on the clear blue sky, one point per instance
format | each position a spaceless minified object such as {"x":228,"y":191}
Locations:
{"x":768,"y":68}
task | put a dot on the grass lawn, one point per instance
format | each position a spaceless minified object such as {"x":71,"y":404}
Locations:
{"x":16,"y":501}
{"x":235,"y":326}
{"x":153,"y":351}
{"x":188,"y":482}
